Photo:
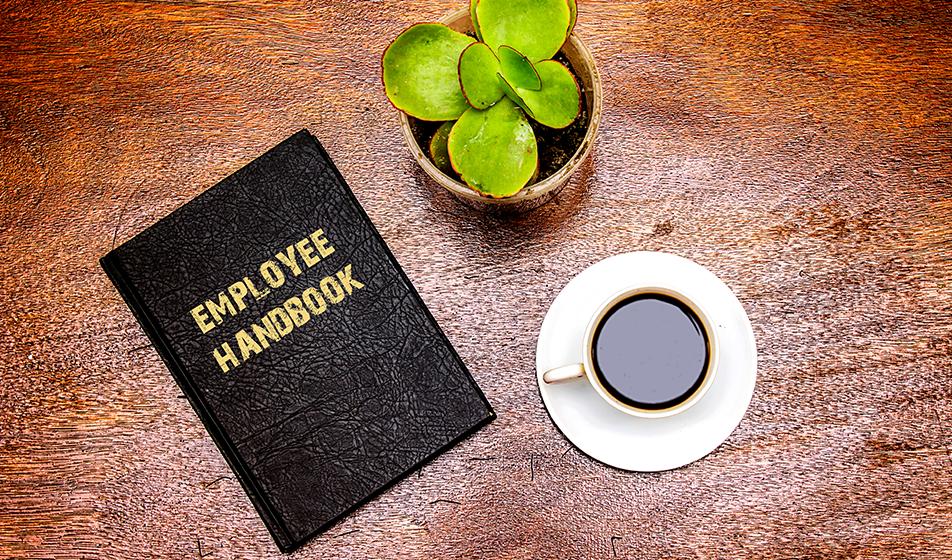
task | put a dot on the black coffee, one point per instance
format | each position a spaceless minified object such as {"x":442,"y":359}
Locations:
{"x":651,"y":351}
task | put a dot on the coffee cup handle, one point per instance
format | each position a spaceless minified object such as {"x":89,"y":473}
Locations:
{"x":564,"y":373}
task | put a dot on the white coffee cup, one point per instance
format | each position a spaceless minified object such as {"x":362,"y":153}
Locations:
{"x":587,"y":370}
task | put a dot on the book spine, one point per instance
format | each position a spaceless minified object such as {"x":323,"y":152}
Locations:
{"x":113,"y":269}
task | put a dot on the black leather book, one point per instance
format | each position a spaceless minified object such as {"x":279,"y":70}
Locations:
{"x":298,"y":339}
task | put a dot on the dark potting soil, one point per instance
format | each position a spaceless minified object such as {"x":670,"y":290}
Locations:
{"x":556,"y":146}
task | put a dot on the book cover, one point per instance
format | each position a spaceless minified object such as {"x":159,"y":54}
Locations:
{"x":297,"y":338}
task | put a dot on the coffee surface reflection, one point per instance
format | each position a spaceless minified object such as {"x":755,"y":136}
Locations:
{"x":651,"y":351}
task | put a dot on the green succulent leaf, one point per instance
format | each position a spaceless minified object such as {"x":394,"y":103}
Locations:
{"x":495,"y":150}
{"x":517,"y":69}
{"x":438,"y":150}
{"x":511,"y":92}
{"x":573,"y":16}
{"x":472,"y":17}
{"x":420,"y":72}
{"x":536,"y":28}
{"x":478,"y":67}
{"x":557,"y":103}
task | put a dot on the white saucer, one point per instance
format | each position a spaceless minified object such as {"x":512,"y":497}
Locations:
{"x":646,"y":444}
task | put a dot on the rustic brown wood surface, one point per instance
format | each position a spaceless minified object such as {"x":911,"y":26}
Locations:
{"x":800,"y":150}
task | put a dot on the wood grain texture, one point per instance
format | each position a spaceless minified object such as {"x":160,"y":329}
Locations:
{"x":800,"y":150}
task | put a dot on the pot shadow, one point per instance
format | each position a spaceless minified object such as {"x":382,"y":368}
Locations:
{"x":494,"y":232}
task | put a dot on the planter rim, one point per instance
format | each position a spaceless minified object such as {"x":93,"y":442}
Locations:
{"x":553,"y":181}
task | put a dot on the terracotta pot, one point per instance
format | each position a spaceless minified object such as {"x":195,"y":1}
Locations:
{"x":536,"y":194}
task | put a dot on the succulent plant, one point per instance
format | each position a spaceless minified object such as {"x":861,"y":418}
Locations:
{"x":487,"y":88}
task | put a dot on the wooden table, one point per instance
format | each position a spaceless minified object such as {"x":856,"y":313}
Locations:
{"x":800,"y":150}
